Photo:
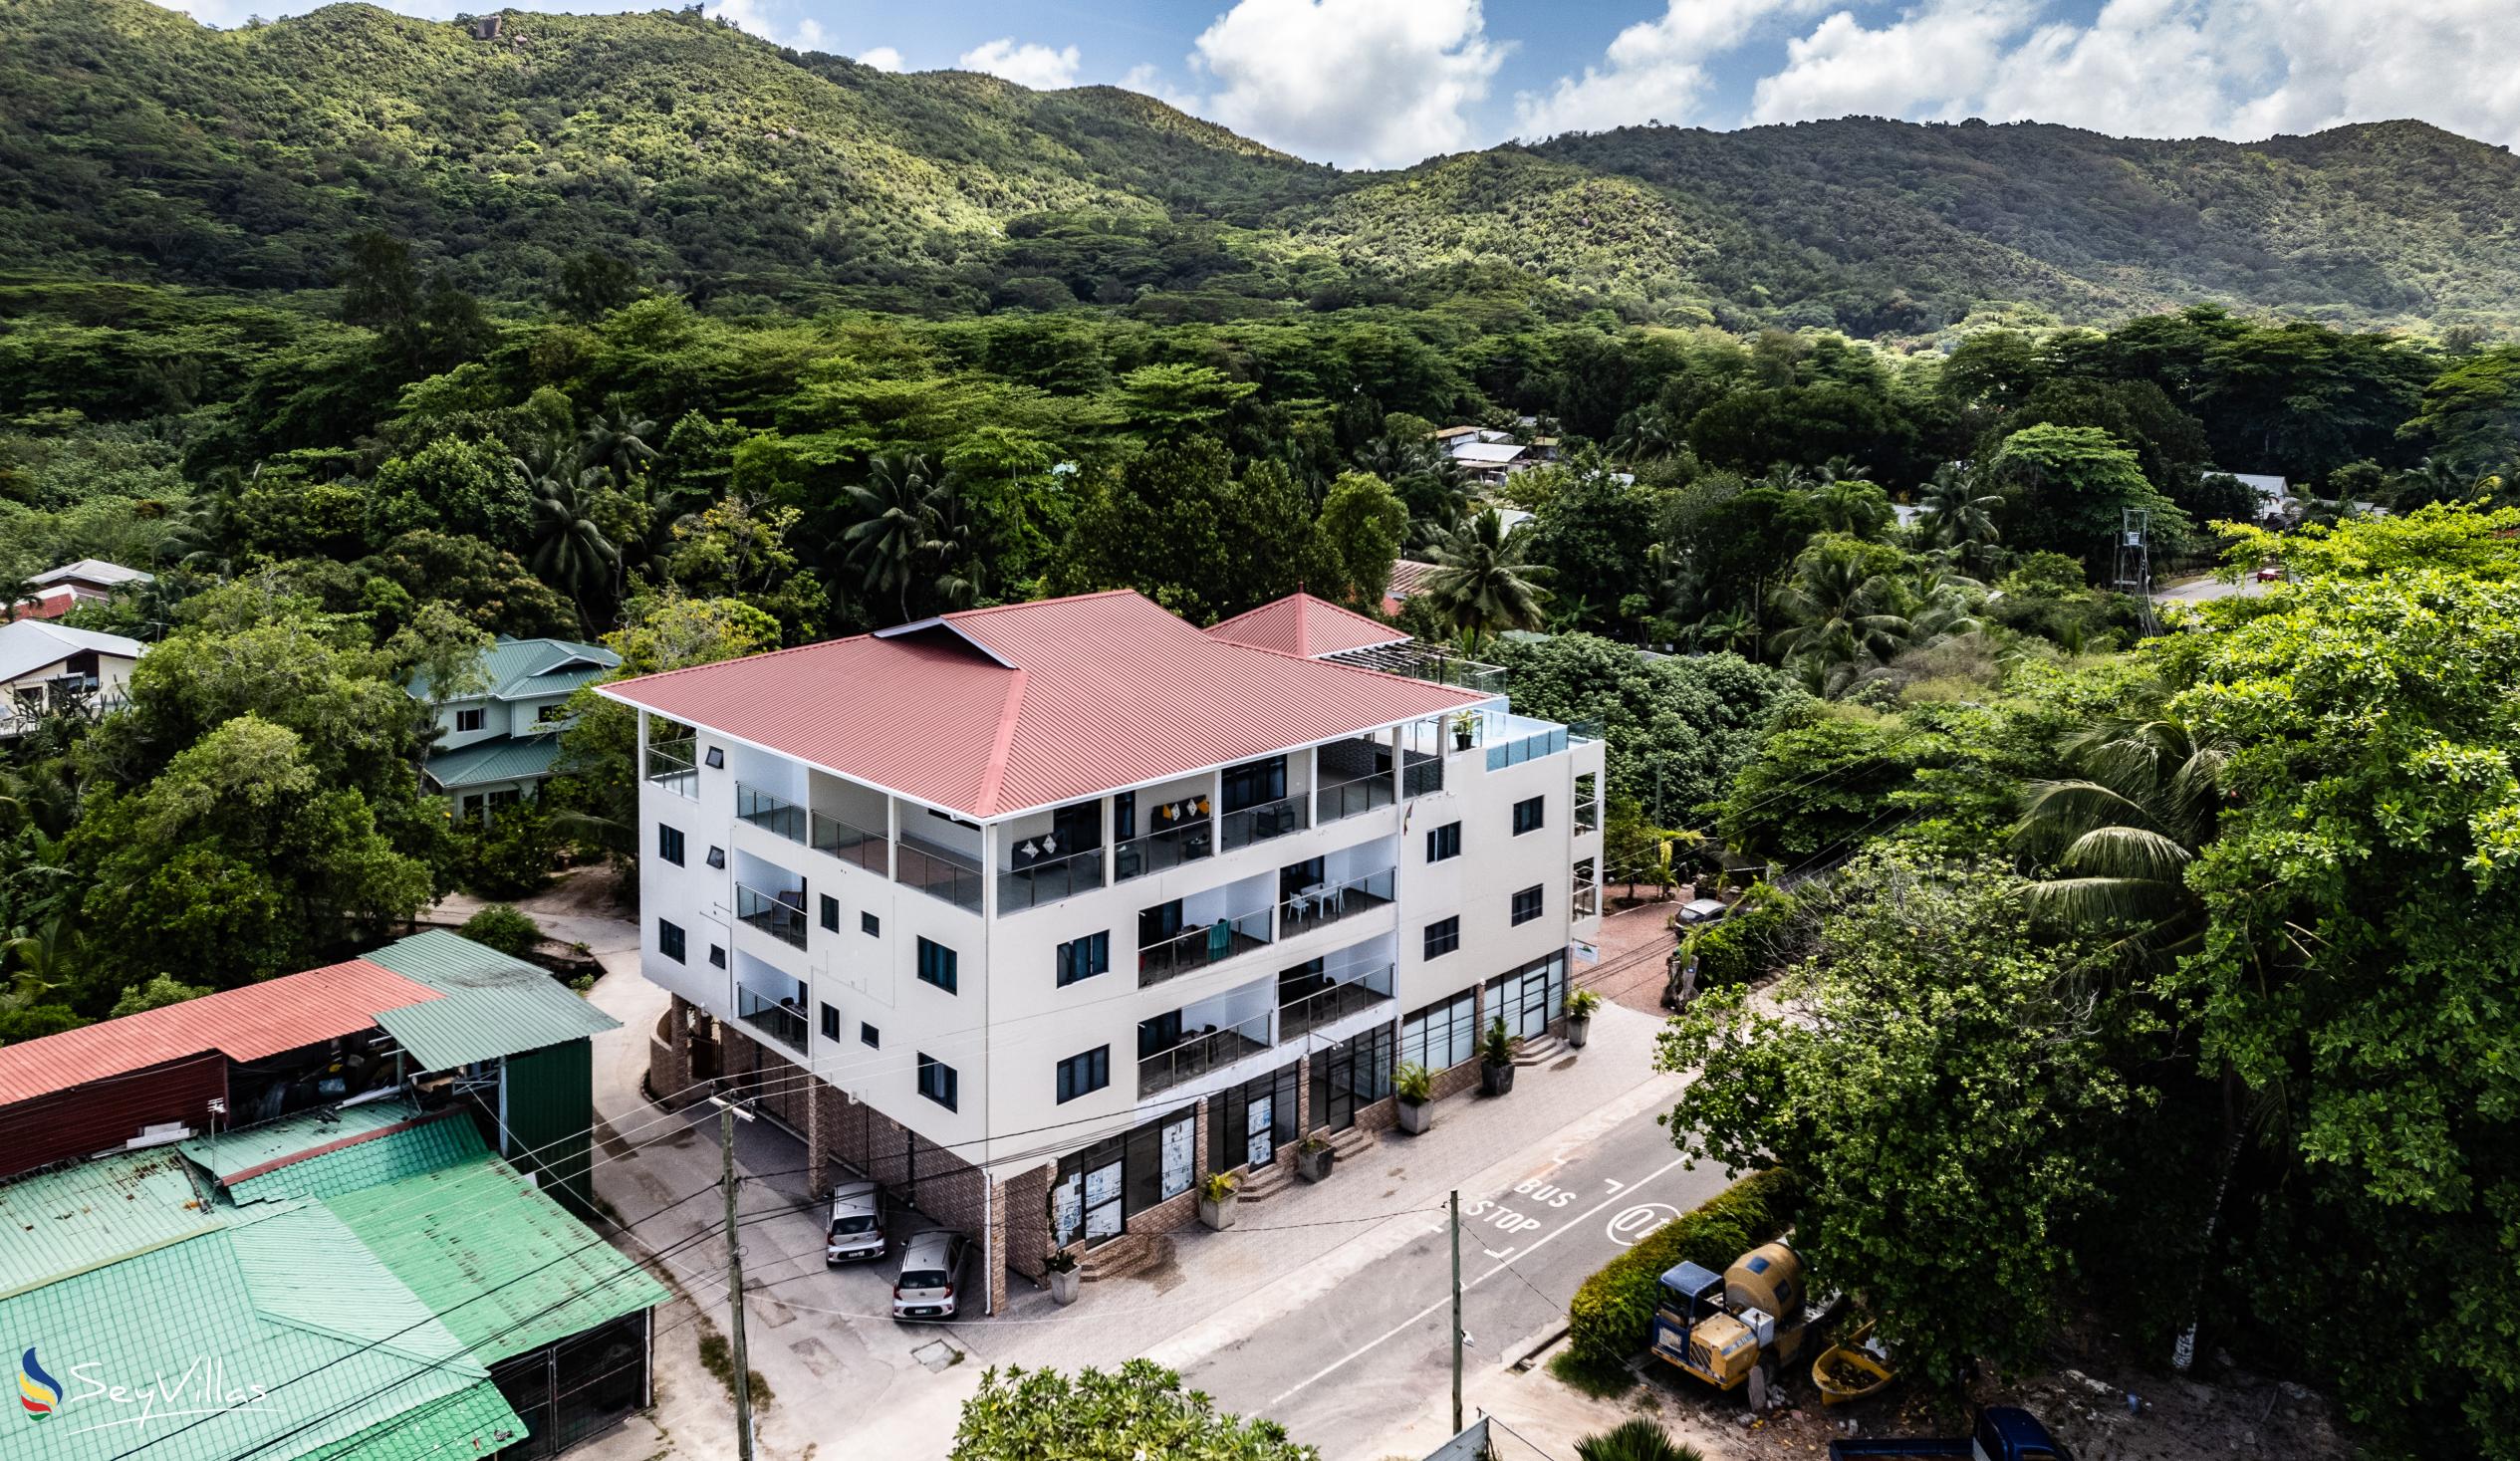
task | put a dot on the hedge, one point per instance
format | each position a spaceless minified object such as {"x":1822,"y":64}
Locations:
{"x":1743,"y":946}
{"x":1612,"y":1317}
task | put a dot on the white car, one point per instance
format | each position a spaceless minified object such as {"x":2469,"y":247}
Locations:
{"x":856,"y":1225}
{"x":931,"y":1262}
{"x":1698,"y":911}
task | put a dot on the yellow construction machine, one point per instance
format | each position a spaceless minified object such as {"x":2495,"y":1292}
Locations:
{"x":1736,"y":1329}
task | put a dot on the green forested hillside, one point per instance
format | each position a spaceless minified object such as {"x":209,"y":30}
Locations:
{"x":136,"y":144}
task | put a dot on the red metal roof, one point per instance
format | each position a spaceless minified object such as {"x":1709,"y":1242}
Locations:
{"x":1304,"y":625}
{"x":249,"y":1023}
{"x":991,"y":711}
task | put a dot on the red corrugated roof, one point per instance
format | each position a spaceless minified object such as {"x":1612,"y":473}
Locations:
{"x":1304,"y":625}
{"x":249,"y":1023}
{"x":996,"y":710}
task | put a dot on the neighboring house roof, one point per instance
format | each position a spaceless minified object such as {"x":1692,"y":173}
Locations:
{"x":338,"y":1149}
{"x":993,"y":712}
{"x":447,"y":1000}
{"x":535,"y":669}
{"x":490,"y":1005}
{"x":1486,"y":454}
{"x":1446,"y":433}
{"x":249,"y":1023}
{"x":505,"y":757}
{"x":26,"y":645}
{"x":91,"y":570}
{"x":75,"y":1218}
{"x":1304,"y":625}
{"x":1407,"y":577}
{"x":50,"y":604}
{"x":507,"y":1269}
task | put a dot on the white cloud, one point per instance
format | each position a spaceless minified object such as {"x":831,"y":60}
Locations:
{"x":1927,"y":64}
{"x":1029,"y":65}
{"x":881,"y":57}
{"x":1147,"y":81}
{"x":1655,"y":69}
{"x":1372,"y":83}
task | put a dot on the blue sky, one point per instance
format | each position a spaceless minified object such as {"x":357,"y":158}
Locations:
{"x":1384,"y":83}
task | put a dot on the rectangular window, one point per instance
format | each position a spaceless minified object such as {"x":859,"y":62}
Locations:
{"x":869,"y":924}
{"x":1254,"y":782}
{"x":831,"y":912}
{"x":550,"y":713}
{"x":869,"y":1036}
{"x":1158,"y":1161}
{"x":718,"y":956}
{"x":1083,"y":958}
{"x":669,"y":844}
{"x":670,"y":940}
{"x":1442,"y":937}
{"x":467,"y":720}
{"x":1442,"y":1035}
{"x":937,"y":965}
{"x":1084,"y":1074}
{"x":1527,"y":904}
{"x":831,"y":1023}
{"x":938,"y":1083}
{"x":1444,"y":842}
{"x":1528,"y":815}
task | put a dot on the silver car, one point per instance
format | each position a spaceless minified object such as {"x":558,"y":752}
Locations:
{"x":932,"y":1263}
{"x":1698,"y":911}
{"x":856,"y":1224}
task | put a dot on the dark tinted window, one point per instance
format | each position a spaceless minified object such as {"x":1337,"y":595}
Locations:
{"x":1527,"y":904}
{"x":937,"y":966}
{"x":831,"y":912}
{"x":1442,"y":937}
{"x":670,"y":845}
{"x":670,"y":940}
{"x":1084,"y":957}
{"x":861,"y":1223}
{"x":1444,"y":842}
{"x":1527,"y":814}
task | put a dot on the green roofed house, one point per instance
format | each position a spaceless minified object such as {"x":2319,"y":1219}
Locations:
{"x":502,"y":734}
{"x":363,"y":1283}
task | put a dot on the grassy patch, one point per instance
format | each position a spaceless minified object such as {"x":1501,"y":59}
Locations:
{"x":717,"y":1356}
{"x":1598,"y":1380}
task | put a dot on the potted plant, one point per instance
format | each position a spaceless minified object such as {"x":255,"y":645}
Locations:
{"x":1413,"y":1085}
{"x":1579,"y":1016}
{"x":1065,"y":1280}
{"x":1464,"y":726}
{"x":1314,"y":1158}
{"x":1217,"y":1200}
{"x":1496,"y":1060}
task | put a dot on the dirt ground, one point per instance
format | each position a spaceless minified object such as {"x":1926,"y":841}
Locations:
{"x":2218,"y":1413}
{"x":1636,"y":943}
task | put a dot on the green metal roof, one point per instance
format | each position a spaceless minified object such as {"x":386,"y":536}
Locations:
{"x":507,"y":1268}
{"x":293,"y":1304}
{"x":68,"y":1221}
{"x":509,"y":758}
{"x":260,"y":1145}
{"x":531,"y":669}
{"x":493,"y":1006}
{"x":394,"y":1143}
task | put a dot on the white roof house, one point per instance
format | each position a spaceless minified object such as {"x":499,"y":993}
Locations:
{"x":94,"y":571}
{"x":46,"y":666}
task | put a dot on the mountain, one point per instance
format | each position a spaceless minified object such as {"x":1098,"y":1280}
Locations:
{"x":136,"y":144}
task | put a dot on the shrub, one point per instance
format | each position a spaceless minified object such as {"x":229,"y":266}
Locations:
{"x":504,"y":928}
{"x":511,"y":857}
{"x":1612,"y":1317}
{"x":1745,"y":945}
{"x":1414,"y":1083}
{"x":1638,"y":1439}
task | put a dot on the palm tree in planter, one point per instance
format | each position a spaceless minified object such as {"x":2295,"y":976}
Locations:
{"x":1635,"y":1440}
{"x":1413,"y":1087}
{"x":1496,"y":1060}
{"x":1065,"y":1278}
{"x":1217,"y":1200}
{"x":1579,"y":1016}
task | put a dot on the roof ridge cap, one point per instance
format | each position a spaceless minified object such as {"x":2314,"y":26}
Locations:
{"x":993,"y":776}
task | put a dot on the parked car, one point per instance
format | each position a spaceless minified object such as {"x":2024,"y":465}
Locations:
{"x":2002,"y":1433}
{"x":2273,"y":573}
{"x":856,"y":1225}
{"x":1698,"y":911}
{"x":932,"y":1263}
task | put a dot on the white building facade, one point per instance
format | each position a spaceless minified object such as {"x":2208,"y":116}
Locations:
{"x":1039,"y":914}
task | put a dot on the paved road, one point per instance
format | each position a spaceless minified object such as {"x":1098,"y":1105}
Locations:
{"x":1347,"y":1370}
{"x":2198,"y":591}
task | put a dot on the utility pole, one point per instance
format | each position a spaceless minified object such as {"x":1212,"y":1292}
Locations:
{"x":1456,"y":1311}
{"x":726,"y":1114}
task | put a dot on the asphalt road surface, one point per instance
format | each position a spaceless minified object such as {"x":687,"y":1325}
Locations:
{"x":1344,"y":1371}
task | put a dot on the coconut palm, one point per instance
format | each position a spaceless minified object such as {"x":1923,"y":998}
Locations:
{"x":570,"y":551}
{"x":895,"y":528}
{"x":1732,"y":629}
{"x":1483,"y":582}
{"x":1957,"y":516}
{"x":1840,"y":614}
{"x":1637,"y":1439}
{"x":2123,"y":834}
{"x":1649,"y":433}
{"x":619,"y":443}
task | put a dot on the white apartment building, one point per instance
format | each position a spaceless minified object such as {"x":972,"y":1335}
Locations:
{"x":1039,"y":913}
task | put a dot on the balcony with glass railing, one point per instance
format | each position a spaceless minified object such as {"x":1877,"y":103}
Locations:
{"x":1250,"y":824}
{"x":772,"y":813}
{"x":1205,"y":1053}
{"x":782,"y":916}
{"x":781,"y":1016}
{"x":1307,"y":1002}
{"x":1354,"y":797}
{"x":1322,"y":904}
{"x":939,"y":872}
{"x":1204,"y":945}
{"x":1047,"y":880}
{"x":674,"y":766}
{"x":857,"y":846}
{"x":1166,"y":846}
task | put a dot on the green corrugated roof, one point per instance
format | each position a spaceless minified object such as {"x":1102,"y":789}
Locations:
{"x":292,"y":1303}
{"x":532,"y":668}
{"x":269,"y":1142}
{"x":509,"y":758}
{"x":379,"y":1153}
{"x":507,"y":1268}
{"x":441,"y":1430}
{"x":493,"y":1006}
{"x":63,"y":1222}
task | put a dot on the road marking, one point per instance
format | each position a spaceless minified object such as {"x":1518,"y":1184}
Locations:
{"x":1492,"y":1253}
{"x":1615,"y":1185}
{"x":1632,"y":1224}
{"x":1342,"y":1363}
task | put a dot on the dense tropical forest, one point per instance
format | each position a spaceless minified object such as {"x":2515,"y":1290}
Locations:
{"x":2146,"y":962}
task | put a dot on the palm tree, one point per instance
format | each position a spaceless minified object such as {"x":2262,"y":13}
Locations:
{"x":2123,"y":834}
{"x":1483,"y":583}
{"x":617,"y":441}
{"x":2439,"y":479}
{"x":1957,"y":516}
{"x":1840,"y":614}
{"x":1650,"y":434}
{"x":571,"y":552}
{"x":1732,"y":629}
{"x":895,"y":528}
{"x":1638,"y":1439}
